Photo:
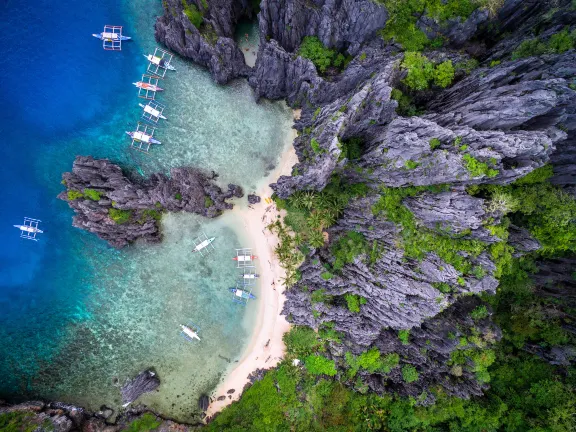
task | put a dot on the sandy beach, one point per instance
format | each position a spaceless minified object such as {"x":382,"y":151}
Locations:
{"x":266,"y":348}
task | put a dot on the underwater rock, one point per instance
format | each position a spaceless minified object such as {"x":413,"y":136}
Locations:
{"x":220,"y":398}
{"x":231,"y":391}
{"x":121,"y":208}
{"x":144,"y":382}
{"x":203,"y":402}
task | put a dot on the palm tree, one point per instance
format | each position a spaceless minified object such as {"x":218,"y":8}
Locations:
{"x":308,"y":199}
{"x":316,"y":239}
{"x":316,"y":220}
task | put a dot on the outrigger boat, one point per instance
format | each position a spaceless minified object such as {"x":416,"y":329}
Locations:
{"x":147,"y":86}
{"x":250,"y":276}
{"x":188,"y":332}
{"x":141,"y":136}
{"x":204,"y":244}
{"x":159,"y":61}
{"x":152,"y":111}
{"x":29,"y":228}
{"x":109,"y":37}
{"x":242,"y":294}
{"x":244,"y":258}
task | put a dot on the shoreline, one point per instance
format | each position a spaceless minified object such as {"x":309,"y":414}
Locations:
{"x":266,"y":347}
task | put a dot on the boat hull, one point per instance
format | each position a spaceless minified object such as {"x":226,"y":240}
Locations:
{"x":245,"y":295}
{"x":122,"y":38}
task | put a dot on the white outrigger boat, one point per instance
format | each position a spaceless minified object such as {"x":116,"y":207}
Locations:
{"x":163,"y":63}
{"x":109,"y":36}
{"x":148,"y":109}
{"x":204,"y":244}
{"x":141,"y":136}
{"x":147,"y":86}
{"x":29,"y":228}
{"x":189,"y":333}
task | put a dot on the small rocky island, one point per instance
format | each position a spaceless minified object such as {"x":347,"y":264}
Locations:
{"x":121,"y":206}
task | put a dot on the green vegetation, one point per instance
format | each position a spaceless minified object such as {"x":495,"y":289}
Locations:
{"x":410,"y":164}
{"x":477,"y":168}
{"x":92,"y":194}
{"x":409,"y":373}
{"x":346,"y":248}
{"x":178,"y":196}
{"x":315,"y":146}
{"x":434,"y":143}
{"x":208,"y":202}
{"x":314,"y":50}
{"x":401,"y":25}
{"x":152,"y":214}
{"x":557,"y":44}
{"x":404,"y":336}
{"x":146,"y":423}
{"x":405,"y":105}
{"x":20,"y":421}
{"x":74,"y":195}
{"x":352,"y":148}
{"x":119,"y":216}
{"x":194,"y":15}
{"x":422,"y":72}
{"x":354,"y":302}
{"x":479,"y":313}
{"x":319,"y":365}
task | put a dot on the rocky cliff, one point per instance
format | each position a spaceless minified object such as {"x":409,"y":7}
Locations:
{"x":122,"y":207}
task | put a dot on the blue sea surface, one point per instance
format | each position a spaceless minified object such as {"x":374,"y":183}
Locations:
{"x":77,"y":317}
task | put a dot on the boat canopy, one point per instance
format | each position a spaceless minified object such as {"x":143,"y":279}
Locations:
{"x":141,"y":137}
{"x":107,"y":35}
{"x":152,"y":111}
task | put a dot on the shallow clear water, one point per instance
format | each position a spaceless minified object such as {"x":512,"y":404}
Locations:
{"x":76,"y":315}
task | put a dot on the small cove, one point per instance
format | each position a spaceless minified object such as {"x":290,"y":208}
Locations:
{"x":77,"y":317}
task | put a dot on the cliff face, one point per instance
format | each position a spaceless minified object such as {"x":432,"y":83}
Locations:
{"x":137,"y":205}
{"x":210,"y":44}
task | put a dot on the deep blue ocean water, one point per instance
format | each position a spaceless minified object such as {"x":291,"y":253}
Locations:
{"x":76,"y":315}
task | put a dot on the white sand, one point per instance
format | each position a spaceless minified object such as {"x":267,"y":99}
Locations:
{"x":266,"y":348}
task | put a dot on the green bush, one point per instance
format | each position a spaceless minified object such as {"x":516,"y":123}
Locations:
{"x":404,"y":336}
{"x":348,"y":247}
{"x":434,"y":143}
{"x":318,"y":296}
{"x":444,"y":74}
{"x":409,"y":373}
{"x":74,"y":195}
{"x":477,"y":168}
{"x":352,"y":148}
{"x":314,"y":50}
{"x":301,"y":341}
{"x":92,"y":194}
{"x":320,"y":365}
{"x":479,"y":313}
{"x":194,"y":15}
{"x":145,"y":423}
{"x":420,"y":70}
{"x":208,"y":202}
{"x":405,"y":105}
{"x":562,"y":41}
{"x":119,"y":216}
{"x":326,"y":275}
{"x":315,"y":146}
{"x":410,"y":164}
{"x":354,"y":301}
{"x":178,"y":196}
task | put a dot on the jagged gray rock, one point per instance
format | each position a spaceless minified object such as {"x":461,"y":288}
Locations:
{"x":144,"y":382}
{"x":212,"y":45}
{"x":340,"y":24}
{"x":186,"y":189}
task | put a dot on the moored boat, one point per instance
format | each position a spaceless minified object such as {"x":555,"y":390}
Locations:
{"x":159,"y":61}
{"x":152,"y":111}
{"x":111,"y":36}
{"x":241,"y":293}
{"x":189,"y":332}
{"x":140,"y":136}
{"x":203,"y":244}
{"x":244,"y":258}
{"x":148,"y":86}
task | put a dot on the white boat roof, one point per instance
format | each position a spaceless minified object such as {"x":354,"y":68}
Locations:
{"x":154,"y":59}
{"x":108,"y":35}
{"x":244,"y":258}
{"x":238,"y":293}
{"x":141,"y":137}
{"x":150,"y":110}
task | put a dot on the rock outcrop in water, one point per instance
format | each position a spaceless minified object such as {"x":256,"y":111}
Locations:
{"x":144,"y":382}
{"x":41,"y":416}
{"x":123,"y":207}
{"x":210,"y":44}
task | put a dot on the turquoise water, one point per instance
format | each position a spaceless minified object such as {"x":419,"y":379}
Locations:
{"x":77,"y":317}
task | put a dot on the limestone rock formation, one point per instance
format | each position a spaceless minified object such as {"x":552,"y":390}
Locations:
{"x":144,"y":382}
{"x":211,"y":44}
{"x":138,"y":202}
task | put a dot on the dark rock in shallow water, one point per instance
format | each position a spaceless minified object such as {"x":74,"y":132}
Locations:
{"x":220,"y":398}
{"x":142,"y":200}
{"x":231,"y":391}
{"x":253,"y":199}
{"x":203,"y":402}
{"x":144,"y":382}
